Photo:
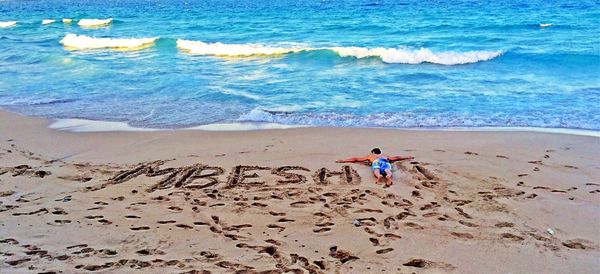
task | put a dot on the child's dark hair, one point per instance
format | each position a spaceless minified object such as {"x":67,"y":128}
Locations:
{"x":376,"y":150}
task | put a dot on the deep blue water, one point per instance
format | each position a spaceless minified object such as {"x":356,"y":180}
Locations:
{"x":435,"y":63}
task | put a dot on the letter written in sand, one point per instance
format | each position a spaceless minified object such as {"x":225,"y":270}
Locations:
{"x":290,"y":177}
{"x":348,"y":175}
{"x":149,"y":169}
{"x":203,"y":174}
{"x":238,"y":175}
{"x":185,"y":176}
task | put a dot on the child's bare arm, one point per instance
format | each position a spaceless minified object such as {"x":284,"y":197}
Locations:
{"x":400,"y":158}
{"x":353,"y":160}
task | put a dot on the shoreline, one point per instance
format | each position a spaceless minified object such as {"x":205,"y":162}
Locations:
{"x":275,"y":200}
{"x":85,"y":125}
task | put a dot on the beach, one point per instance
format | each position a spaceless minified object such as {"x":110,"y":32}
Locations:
{"x":275,"y":201}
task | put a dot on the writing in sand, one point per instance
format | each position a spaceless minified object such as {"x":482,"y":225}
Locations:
{"x":199,"y":176}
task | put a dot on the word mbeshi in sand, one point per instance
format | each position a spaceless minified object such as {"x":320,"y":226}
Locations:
{"x":200,"y":176}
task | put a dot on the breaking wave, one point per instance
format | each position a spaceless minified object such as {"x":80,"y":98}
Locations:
{"x":90,"y":23}
{"x":233,"y":50}
{"x":386,"y":55}
{"x":80,"y":42}
{"x":423,"y":55}
{"x":6,"y":24}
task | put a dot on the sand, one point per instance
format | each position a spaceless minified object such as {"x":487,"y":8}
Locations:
{"x":275,"y":201}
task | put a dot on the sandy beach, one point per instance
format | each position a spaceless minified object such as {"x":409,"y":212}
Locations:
{"x":275,"y":201}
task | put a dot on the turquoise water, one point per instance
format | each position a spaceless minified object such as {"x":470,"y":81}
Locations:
{"x":430,"y":64}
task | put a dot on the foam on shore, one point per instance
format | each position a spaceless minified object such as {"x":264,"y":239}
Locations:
{"x":82,"y":42}
{"x":242,"y":126}
{"x":82,"y":125}
{"x":91,"y":23}
{"x":6,"y":24}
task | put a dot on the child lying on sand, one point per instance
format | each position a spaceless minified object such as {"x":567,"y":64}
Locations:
{"x":380,"y":164}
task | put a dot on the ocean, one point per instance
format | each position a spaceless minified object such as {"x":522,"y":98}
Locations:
{"x":352,"y":63}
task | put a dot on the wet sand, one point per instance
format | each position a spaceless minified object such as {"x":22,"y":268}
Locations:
{"x":275,"y":201}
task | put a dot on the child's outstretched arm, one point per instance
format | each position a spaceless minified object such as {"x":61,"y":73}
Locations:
{"x":399,"y":158}
{"x":353,"y":160}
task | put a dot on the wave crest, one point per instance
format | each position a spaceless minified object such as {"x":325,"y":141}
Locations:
{"x":90,"y":23}
{"x":387,"y":55}
{"x":242,"y":50}
{"x":423,"y":55}
{"x":6,"y":24}
{"x":74,"y":41}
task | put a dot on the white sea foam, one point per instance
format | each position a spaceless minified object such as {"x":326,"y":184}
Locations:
{"x":233,"y":50}
{"x":423,"y":55}
{"x":74,"y":41}
{"x":404,"y":121}
{"x":90,"y":23}
{"x":242,"y":126}
{"x":67,"y":20}
{"x":81,"y":125}
{"x":387,"y":55}
{"x":48,"y":21}
{"x":542,"y":25}
{"x":6,"y":24}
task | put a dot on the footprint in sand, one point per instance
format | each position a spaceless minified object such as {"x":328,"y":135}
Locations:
{"x":18,"y":261}
{"x":468,"y":224}
{"x":531,"y":196}
{"x":166,"y":222}
{"x":392,"y":236}
{"x":419,"y":263}
{"x":384,"y":251}
{"x":512,"y":237}
{"x":62,"y":221}
{"x":237,"y":227}
{"x":285,"y":220}
{"x":175,"y":208}
{"x":146,"y":252}
{"x":9,"y":241}
{"x":504,"y":224}
{"x":281,"y":228}
{"x":575,"y":244}
{"x":414,"y":226}
{"x":462,"y":235}
{"x":342,"y":255}
{"x":59,"y":211}
{"x":104,"y":221}
{"x":374,"y":241}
